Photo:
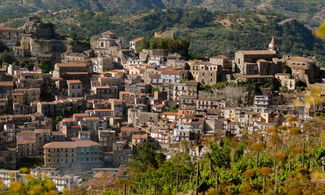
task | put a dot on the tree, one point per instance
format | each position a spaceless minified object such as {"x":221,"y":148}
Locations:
{"x":65,"y":191}
{"x":26,"y":64}
{"x":73,"y":36}
{"x":7,"y":58}
{"x":265,"y":171}
{"x":46,"y":67}
{"x":147,"y":158}
{"x":3,"y":46}
{"x":312,"y":98}
{"x":16,"y":188}
{"x":220,"y":155}
{"x":320,"y":32}
{"x":258,"y":147}
{"x":23,"y":170}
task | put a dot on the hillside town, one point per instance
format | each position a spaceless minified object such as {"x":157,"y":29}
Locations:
{"x":95,"y":105}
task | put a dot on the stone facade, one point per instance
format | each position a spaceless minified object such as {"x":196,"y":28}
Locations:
{"x":11,"y":36}
{"x":103,"y":45}
{"x":206,"y":73}
{"x":304,"y":69}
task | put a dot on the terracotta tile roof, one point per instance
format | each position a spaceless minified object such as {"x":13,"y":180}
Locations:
{"x":76,"y":73}
{"x":155,"y":76}
{"x":26,"y":141}
{"x":91,"y":118}
{"x":26,"y":135}
{"x":273,"y":41}
{"x":126,"y":92}
{"x":103,"y":110}
{"x":139,"y":136}
{"x":31,"y":89}
{"x":171,"y":72}
{"x":115,"y":100}
{"x":71,"y":144}
{"x":258,"y":52}
{"x":73,"y":81}
{"x":301,"y":59}
{"x":126,"y":129}
{"x":159,"y":106}
{"x":103,"y":87}
{"x":68,"y":119}
{"x":170,"y":113}
{"x":299,"y":67}
{"x":7,"y":83}
{"x":137,"y":40}
{"x":42,"y":130}
{"x":70,"y":65}
{"x":10,"y":29}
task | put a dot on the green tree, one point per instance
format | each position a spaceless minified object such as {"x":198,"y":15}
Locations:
{"x":147,"y":158}
{"x":7,"y":58}
{"x":221,"y":154}
{"x":46,"y":67}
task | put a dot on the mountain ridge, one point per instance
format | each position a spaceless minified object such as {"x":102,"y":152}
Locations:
{"x":310,"y":12}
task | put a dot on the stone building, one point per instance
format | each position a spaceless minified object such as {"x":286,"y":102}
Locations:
{"x":30,"y":143}
{"x":74,"y":88}
{"x":173,"y":76}
{"x":64,"y":68}
{"x":134,"y":43}
{"x":106,"y":139}
{"x":82,"y":155}
{"x":71,"y":57}
{"x":6,"y":88}
{"x":259,"y":62}
{"x":11,"y":36}
{"x":224,"y":62}
{"x":206,"y":73}
{"x":54,"y":108}
{"x":101,"y":64}
{"x":190,"y":88}
{"x":286,"y":80}
{"x":102,"y":45}
{"x":304,"y":69}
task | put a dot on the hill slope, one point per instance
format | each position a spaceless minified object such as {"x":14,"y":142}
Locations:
{"x":310,"y":12}
{"x":210,"y":33}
